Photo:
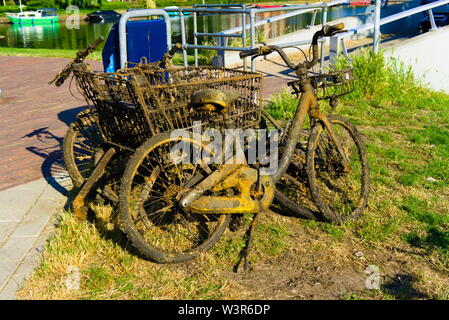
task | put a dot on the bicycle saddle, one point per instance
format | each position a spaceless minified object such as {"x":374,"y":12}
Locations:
{"x":213,"y":99}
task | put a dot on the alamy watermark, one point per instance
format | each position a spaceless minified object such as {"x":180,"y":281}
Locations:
{"x":372,"y":282}
{"x":72,"y":281}
{"x":230,"y":146}
{"x":73,"y":18}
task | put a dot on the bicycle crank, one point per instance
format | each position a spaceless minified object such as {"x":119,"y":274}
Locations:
{"x":254,"y":192}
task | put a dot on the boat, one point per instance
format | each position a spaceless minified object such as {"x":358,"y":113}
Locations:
{"x":100,"y":16}
{"x":262,"y":6}
{"x":44,"y":15}
{"x":362,"y":3}
{"x":176,"y":13}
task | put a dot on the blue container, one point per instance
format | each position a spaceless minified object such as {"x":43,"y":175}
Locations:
{"x":145,"y":38}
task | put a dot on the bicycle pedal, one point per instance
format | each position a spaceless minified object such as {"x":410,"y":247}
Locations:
{"x":236,"y":223}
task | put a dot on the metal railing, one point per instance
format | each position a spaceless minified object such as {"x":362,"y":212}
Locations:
{"x":139,"y":14}
{"x":240,"y":32}
{"x":221,"y":36}
{"x":375,"y":26}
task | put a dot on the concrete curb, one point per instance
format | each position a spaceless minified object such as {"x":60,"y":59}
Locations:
{"x":26,"y":220}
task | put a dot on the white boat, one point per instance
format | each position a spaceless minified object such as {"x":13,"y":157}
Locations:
{"x":176,"y":13}
{"x":45,"y":15}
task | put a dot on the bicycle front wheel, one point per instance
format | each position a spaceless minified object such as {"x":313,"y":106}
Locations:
{"x":155,"y":179}
{"x":338,"y":193}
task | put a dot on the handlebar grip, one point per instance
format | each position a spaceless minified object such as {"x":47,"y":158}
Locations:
{"x":175,"y":48}
{"x":329,"y":31}
{"x":82,"y":54}
{"x":248,"y":53}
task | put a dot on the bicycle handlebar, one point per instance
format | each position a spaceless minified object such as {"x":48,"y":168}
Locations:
{"x":250,"y":52}
{"x":329,"y":31}
{"x":80,"y":56}
{"x":326,"y":31}
{"x":175,"y":48}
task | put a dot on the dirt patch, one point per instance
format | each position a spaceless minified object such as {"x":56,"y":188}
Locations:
{"x":287,"y":278}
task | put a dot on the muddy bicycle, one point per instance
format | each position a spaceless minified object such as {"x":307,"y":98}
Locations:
{"x":333,"y":162}
{"x":173,"y":210}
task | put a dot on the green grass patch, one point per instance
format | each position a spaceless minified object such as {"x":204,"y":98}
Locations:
{"x":434,"y":231}
{"x":50,"y":53}
{"x":270,"y":238}
{"x":282,"y":105}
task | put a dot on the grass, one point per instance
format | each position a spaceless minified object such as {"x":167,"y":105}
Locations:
{"x":53,"y":53}
{"x":204,"y":56}
{"x":404,"y":231}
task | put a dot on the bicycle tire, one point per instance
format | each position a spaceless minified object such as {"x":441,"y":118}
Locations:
{"x":149,"y":242}
{"x":78,"y":152}
{"x":337,"y":212}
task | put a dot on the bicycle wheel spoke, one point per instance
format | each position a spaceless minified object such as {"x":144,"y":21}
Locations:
{"x":156,"y":185}
{"x":340,"y":189}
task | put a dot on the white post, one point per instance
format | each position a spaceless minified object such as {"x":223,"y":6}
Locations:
{"x":334,"y":48}
{"x":432,"y":20}
{"x":376,"y":38}
{"x":323,"y":22}
{"x":252,"y":34}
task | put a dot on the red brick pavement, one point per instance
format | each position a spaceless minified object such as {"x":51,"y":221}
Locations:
{"x":29,"y":105}
{"x":34,"y":116}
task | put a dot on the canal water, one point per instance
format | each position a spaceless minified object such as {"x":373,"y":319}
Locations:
{"x":59,"y":36}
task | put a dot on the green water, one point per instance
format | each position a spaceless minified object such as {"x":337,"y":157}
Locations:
{"x":59,"y":36}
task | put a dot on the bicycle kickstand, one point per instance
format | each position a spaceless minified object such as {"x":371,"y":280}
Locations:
{"x":78,"y":205}
{"x":245,"y":252}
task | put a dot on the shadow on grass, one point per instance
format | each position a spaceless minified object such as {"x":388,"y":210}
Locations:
{"x":400,"y":286}
{"x":434,"y":239}
{"x":434,"y":234}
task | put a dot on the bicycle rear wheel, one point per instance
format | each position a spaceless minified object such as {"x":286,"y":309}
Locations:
{"x":155,"y":179}
{"x":80,"y":145}
{"x":338,"y":194}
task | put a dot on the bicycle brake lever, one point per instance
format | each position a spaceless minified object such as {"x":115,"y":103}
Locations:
{"x":257,"y":55}
{"x":338,"y":31}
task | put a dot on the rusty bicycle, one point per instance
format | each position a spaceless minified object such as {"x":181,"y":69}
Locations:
{"x":331,"y":168}
{"x":129,"y":146}
{"x":114,"y":144}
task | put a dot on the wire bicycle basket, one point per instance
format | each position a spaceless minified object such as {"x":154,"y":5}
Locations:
{"x":134,"y":104}
{"x":327,"y":85}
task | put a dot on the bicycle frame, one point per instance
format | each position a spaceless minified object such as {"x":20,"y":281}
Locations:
{"x":307,"y":105}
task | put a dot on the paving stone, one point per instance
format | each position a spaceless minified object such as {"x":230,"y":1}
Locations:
{"x":7,"y":268}
{"x":25,"y":112}
{"x":45,"y":208}
{"x":15,"y":248}
{"x":30,"y":226}
{"x":26,"y":267}
{"x":33,"y":186}
{"x":13,"y":213}
{"x":6,"y":228}
{"x":21,"y":274}
{"x":52,"y":194}
{"x":17,"y":201}
{"x":10,"y":288}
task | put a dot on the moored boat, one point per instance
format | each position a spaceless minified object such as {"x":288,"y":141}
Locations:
{"x":262,"y":6}
{"x":176,"y":13}
{"x":44,"y":15}
{"x":362,"y":3}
